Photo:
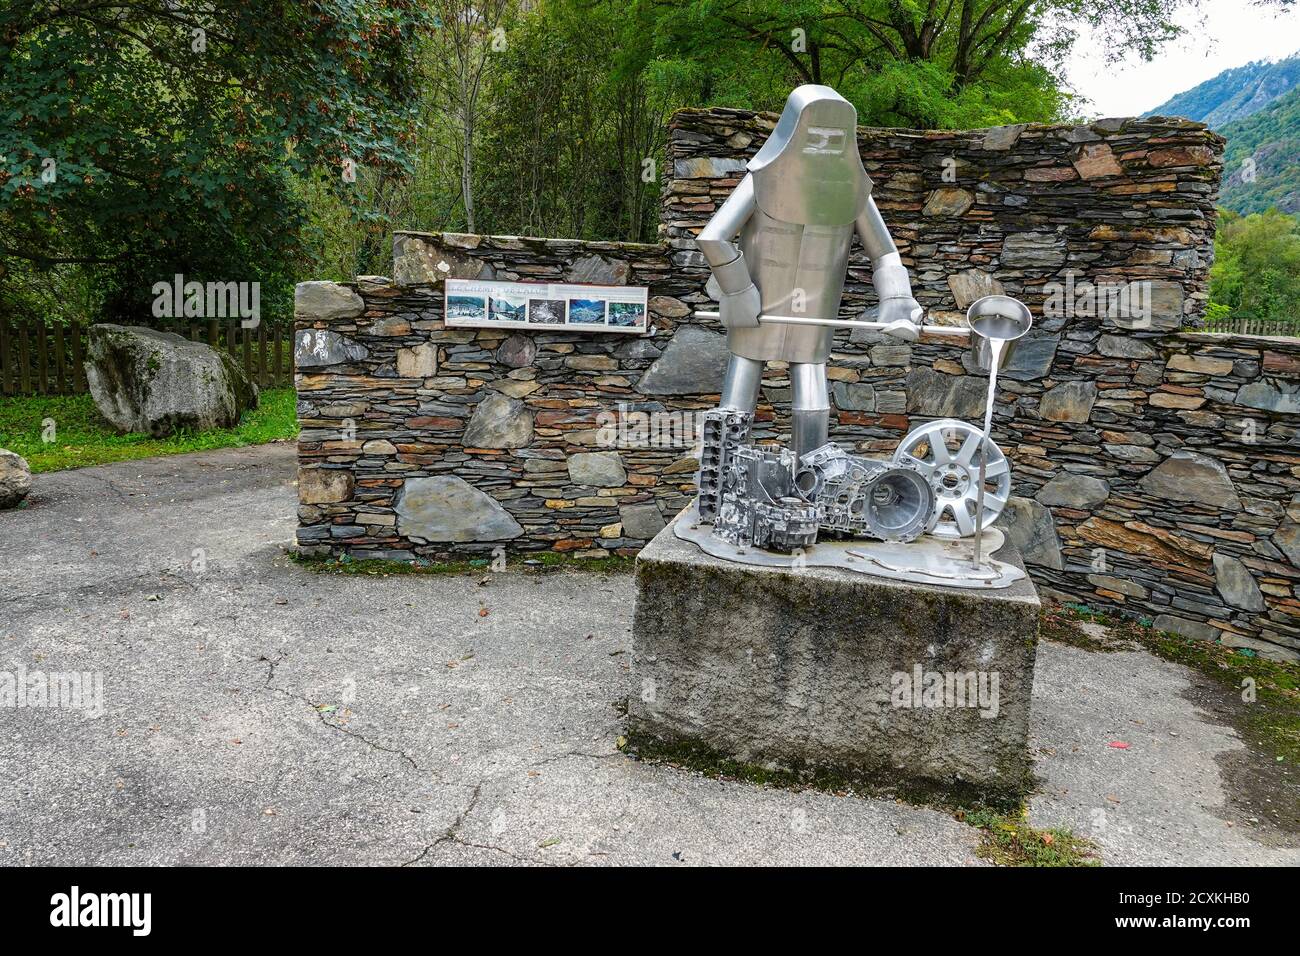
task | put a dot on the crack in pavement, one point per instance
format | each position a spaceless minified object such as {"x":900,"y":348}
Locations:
{"x":272,"y":664}
{"x":568,"y":755}
{"x":351,"y":733}
{"x":495,"y":849}
{"x":453,"y":836}
{"x":105,"y":480}
{"x":451,"y":830}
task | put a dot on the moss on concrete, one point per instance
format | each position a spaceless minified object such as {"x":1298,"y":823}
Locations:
{"x":1007,"y":839}
{"x":538,"y":563}
{"x":1273,"y":683}
{"x":1258,"y":698}
{"x":699,"y":756}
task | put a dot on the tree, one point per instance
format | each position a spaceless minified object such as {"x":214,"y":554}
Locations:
{"x":1256,"y":271}
{"x":466,"y":44}
{"x":145,"y":138}
{"x":576,"y":132}
{"x":923,"y":63}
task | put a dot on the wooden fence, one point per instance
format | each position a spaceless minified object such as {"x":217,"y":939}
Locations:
{"x":41,"y":360}
{"x":1234,"y":325}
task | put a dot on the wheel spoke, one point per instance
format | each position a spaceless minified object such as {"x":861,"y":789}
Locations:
{"x":996,"y":468}
{"x":964,"y":519}
{"x":939,"y":445}
{"x":968,"y":448}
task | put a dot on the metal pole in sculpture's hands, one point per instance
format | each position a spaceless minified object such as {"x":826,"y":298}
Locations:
{"x":900,"y":328}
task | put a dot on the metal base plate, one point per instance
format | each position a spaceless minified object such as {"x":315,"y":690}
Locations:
{"x":927,"y":560}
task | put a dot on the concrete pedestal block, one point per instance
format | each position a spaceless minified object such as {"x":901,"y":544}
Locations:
{"x":833,"y":676}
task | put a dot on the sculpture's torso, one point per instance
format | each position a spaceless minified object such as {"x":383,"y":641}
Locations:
{"x":784,"y":259}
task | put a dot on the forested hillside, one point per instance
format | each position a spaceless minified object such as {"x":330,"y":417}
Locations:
{"x":1234,"y":94}
{"x":1262,"y":161}
{"x":1257,"y":108}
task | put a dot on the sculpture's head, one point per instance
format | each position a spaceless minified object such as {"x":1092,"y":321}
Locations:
{"x":809,"y":170}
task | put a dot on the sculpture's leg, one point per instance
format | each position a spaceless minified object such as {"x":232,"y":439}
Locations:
{"x":811,"y":407}
{"x":740,"y":388}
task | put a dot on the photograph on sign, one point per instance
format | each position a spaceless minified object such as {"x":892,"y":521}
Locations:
{"x":471,"y":307}
{"x":587,"y":311}
{"x":547,"y":311}
{"x":476,"y":303}
{"x":507,"y":306}
{"x":627,"y":315}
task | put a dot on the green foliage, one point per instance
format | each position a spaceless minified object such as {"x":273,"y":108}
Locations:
{"x":559,"y":132}
{"x":966,"y":64}
{"x":1009,"y":840}
{"x":142,"y":140}
{"x":1256,"y":271}
{"x":572,"y":144}
{"x":212,"y":137}
{"x":1262,"y":158}
{"x":82,"y":437}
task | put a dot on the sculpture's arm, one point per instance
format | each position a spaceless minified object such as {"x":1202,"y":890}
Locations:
{"x":737,"y":296}
{"x":889,"y":275}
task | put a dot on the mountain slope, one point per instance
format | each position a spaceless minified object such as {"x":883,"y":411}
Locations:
{"x":1270,"y":140}
{"x":1234,"y":94}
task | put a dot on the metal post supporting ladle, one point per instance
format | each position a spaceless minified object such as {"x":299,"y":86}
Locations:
{"x":998,"y":322}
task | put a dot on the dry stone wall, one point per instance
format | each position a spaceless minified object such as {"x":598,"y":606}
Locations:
{"x":1157,"y":469}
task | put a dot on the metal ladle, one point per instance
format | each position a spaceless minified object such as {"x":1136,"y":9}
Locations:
{"x":998,"y":322}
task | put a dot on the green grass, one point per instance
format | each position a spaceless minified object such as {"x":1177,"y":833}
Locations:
{"x":1009,"y":840}
{"x":82,"y":437}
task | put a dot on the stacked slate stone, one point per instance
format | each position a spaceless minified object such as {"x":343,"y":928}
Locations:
{"x":424,"y":442}
{"x":1157,"y":469}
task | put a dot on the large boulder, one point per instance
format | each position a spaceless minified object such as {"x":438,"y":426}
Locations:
{"x":499,"y":421}
{"x":15,"y":479}
{"x":1189,"y":476}
{"x":446,"y":508}
{"x":694,"y":363}
{"x":144,"y":380}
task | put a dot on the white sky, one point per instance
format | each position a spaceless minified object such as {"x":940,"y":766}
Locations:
{"x":1221,"y":35}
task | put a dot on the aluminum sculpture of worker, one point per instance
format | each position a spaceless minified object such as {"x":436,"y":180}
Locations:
{"x":803,"y":197}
